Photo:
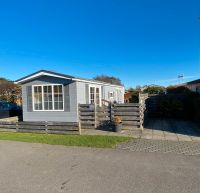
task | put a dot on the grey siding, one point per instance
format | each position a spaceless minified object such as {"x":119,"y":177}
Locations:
{"x":66,"y":98}
{"x":83,"y":92}
{"x":114,"y":89}
{"x":29,"y":98}
{"x":87,"y":93}
{"x":74,"y":93}
{"x":70,"y":98}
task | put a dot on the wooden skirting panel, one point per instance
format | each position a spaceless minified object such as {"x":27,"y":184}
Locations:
{"x":41,"y":127}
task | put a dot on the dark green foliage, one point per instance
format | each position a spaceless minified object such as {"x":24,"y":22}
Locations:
{"x":193,"y":109}
{"x":154,"y":90}
{"x":178,"y":90}
{"x":185,"y":106}
{"x":170,"y":107}
{"x":134,"y":98}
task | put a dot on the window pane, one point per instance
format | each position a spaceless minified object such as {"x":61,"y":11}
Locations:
{"x":56,"y":105}
{"x":48,"y":98}
{"x":58,"y":97}
{"x":92,"y":95}
{"x":97,"y":96}
{"x":60,"y":105}
{"x":38,"y":98}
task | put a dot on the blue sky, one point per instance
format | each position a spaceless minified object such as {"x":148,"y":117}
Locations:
{"x":140,"y":41}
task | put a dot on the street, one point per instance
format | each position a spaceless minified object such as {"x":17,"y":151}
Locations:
{"x":31,"y":168}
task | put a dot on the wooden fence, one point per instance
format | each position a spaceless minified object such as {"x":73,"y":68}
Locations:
{"x":41,"y":127}
{"x":129,"y":113}
{"x":91,"y":116}
{"x":132,"y":114}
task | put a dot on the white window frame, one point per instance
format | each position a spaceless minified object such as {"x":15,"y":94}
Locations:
{"x":110,"y":97}
{"x":52,"y":85}
{"x":100,"y":97}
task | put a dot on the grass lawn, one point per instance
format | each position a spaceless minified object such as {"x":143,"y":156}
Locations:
{"x":67,"y":140}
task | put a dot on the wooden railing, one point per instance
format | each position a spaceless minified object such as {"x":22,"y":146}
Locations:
{"x":92,"y":116}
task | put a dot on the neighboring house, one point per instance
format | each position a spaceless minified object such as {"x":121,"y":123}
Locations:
{"x":193,"y":85}
{"x":51,"y":96}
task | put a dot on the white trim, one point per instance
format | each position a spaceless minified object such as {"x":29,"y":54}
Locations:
{"x":64,"y":77}
{"x":53,"y":105}
{"x":95,"y":82}
{"x":95,"y":86}
{"x":41,"y":74}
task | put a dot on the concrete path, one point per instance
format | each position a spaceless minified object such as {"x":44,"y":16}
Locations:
{"x":159,"y":129}
{"x":168,"y":129}
{"x":31,"y":168}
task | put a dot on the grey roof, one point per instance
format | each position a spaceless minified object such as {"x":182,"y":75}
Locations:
{"x":64,"y":75}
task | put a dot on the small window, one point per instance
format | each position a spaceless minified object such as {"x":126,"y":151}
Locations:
{"x":111,"y":95}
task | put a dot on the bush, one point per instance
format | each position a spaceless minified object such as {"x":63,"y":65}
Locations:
{"x":170,"y":107}
{"x":194,"y":106}
{"x":178,"y":90}
{"x":186,"y":106}
{"x":134,"y":97}
{"x":154,"y":90}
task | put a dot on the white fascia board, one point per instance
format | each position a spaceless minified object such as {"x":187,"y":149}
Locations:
{"x":94,"y":82}
{"x":58,"y":76}
{"x":41,"y":74}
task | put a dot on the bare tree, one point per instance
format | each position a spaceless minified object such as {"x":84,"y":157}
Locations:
{"x":9,"y":91}
{"x":109,"y":79}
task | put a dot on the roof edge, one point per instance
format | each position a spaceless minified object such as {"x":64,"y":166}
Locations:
{"x":59,"y":75}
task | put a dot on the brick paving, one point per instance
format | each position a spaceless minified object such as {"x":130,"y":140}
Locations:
{"x":167,"y":136}
{"x":162,"y":146}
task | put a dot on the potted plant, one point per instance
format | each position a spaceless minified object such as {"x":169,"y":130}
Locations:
{"x":117,"y":124}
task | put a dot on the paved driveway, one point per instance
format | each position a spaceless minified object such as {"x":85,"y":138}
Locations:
{"x":31,"y":168}
{"x":169,"y":129}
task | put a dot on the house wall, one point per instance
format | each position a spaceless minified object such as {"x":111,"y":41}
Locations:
{"x":75,"y":93}
{"x":109,"y":88}
{"x":83,"y":92}
{"x":70,"y":113}
{"x":193,"y":87}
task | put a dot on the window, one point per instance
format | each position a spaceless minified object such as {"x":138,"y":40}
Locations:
{"x":38,"y":98}
{"x":119,"y":96}
{"x":111,"y":95}
{"x":92,"y":95}
{"x":95,"y":95}
{"x":48,"y":98}
{"x":58,"y":97}
{"x":198,"y":89}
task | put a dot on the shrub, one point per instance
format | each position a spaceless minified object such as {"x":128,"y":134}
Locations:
{"x":178,"y":90}
{"x":170,"y":107}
